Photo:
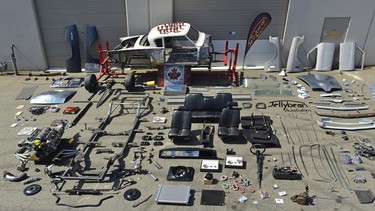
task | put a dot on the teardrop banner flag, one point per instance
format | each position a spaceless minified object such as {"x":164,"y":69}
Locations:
{"x":257,"y":27}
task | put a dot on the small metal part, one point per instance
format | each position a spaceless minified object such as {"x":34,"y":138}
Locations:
{"x":223,"y":178}
{"x":31,"y":180}
{"x":230,"y":151}
{"x":47,"y":169}
{"x":359,"y":179}
{"x":145,"y":143}
{"x":10,"y":177}
{"x":142,"y":201}
{"x":117,"y":144}
{"x":365,"y":150}
{"x":246,"y":182}
{"x":158,"y":143}
{"x":348,"y":159}
{"x":99,"y":151}
{"x":146,"y":138}
{"x":124,"y":183}
{"x":360,"y":168}
{"x":358,"y":158}
{"x":153,"y":177}
{"x":158,"y":138}
{"x":56,"y":183}
{"x":260,"y":106}
{"x":149,"y":157}
{"x":342,"y":150}
{"x":247,"y":105}
{"x":157,"y":165}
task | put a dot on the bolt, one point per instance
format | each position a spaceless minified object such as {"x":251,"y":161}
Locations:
{"x":153,"y":176}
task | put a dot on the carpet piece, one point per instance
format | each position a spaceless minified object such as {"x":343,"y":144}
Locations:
{"x":26,"y":92}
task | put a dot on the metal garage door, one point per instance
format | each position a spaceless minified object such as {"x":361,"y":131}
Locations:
{"x":220,"y":17}
{"x":231,"y":20}
{"x":54,"y":15}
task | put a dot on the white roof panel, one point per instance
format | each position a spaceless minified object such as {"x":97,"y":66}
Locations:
{"x":169,"y":30}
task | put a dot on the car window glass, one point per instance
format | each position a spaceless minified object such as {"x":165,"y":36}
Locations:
{"x":168,"y":42}
{"x":193,"y":34}
{"x":129,"y":42}
{"x":159,"y":42}
{"x":144,"y":41}
{"x":182,"y":41}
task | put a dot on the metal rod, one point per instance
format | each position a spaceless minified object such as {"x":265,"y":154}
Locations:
{"x":286,"y":134}
{"x":303,"y":162}
{"x":313,"y":160}
{"x":321,"y":162}
{"x":81,"y":114}
{"x":345,"y":180}
{"x":299,"y":131}
{"x":333,"y":167}
{"x":328,"y":162}
{"x":295,"y":160}
{"x":316,"y":135}
{"x":290,"y":159}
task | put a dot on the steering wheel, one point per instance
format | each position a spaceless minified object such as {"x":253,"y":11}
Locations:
{"x":257,"y":147}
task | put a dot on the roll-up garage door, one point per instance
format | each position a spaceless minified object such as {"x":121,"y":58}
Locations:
{"x":54,"y":15}
{"x":231,"y":20}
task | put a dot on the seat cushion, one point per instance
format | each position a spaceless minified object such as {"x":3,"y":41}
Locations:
{"x":223,"y":131}
{"x":184,"y":133}
{"x":194,"y":102}
{"x":229,"y":123}
{"x":173,"y":132}
{"x":180,"y":125}
{"x":221,"y":100}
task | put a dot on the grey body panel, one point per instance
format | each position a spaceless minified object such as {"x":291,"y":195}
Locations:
{"x":52,"y":97}
{"x":319,"y":82}
{"x":68,"y":82}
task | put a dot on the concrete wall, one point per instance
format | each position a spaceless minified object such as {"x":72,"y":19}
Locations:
{"x":306,"y":17}
{"x":142,"y":15}
{"x":19,"y":26}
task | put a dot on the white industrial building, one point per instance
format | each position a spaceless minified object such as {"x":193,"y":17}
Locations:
{"x":36,"y":27}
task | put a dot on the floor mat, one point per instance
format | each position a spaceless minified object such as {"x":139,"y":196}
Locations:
{"x":26,"y":93}
{"x":213,"y":197}
{"x":365,"y":196}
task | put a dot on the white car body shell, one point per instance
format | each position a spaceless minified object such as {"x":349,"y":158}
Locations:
{"x":165,"y":43}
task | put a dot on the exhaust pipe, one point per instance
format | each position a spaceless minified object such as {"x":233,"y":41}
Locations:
{"x":10,"y":177}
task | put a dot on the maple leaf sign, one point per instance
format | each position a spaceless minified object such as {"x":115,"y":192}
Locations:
{"x":174,"y":74}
